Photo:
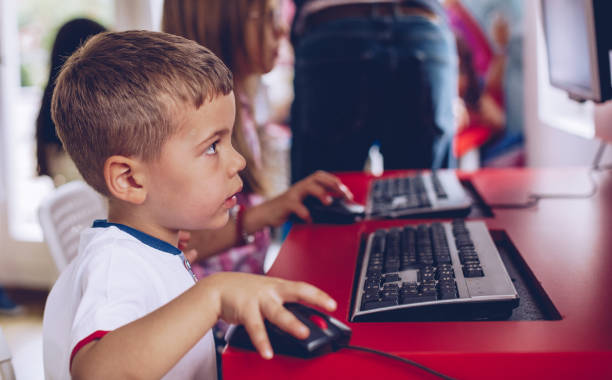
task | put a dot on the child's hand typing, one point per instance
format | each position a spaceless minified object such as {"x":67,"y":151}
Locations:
{"x":247,"y":299}
{"x":322,"y":185}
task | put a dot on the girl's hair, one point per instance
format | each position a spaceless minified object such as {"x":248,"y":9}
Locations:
{"x":69,"y":37}
{"x":220,"y":26}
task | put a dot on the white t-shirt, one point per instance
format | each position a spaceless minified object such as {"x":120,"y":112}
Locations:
{"x":119,"y":275}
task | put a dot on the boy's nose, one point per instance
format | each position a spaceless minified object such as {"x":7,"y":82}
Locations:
{"x":238,"y":162}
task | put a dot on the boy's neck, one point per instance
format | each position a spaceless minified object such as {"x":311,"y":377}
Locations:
{"x":136,"y":217}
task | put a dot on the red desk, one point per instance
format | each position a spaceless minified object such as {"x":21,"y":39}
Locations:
{"x":566,"y":243}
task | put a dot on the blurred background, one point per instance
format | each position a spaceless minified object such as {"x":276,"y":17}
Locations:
{"x":538,"y":118}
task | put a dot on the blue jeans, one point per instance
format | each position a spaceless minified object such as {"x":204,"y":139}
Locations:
{"x":390,"y":79}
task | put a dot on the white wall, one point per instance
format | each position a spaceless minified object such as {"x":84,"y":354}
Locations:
{"x":26,"y":264}
{"x":545,"y":145}
{"x":137,"y":14}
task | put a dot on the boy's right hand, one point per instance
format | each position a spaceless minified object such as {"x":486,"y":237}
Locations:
{"x":248,"y":299}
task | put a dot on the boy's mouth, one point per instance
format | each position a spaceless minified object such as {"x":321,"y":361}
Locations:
{"x":232,"y":200}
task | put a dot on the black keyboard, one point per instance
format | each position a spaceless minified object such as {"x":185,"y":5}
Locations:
{"x":418,"y":194}
{"x":438,"y":271}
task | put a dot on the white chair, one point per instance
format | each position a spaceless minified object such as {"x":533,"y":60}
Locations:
{"x":64,"y":213}
{"x":6,"y":366}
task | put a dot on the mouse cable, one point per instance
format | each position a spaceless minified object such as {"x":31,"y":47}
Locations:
{"x":404,"y":360}
{"x":533,"y":199}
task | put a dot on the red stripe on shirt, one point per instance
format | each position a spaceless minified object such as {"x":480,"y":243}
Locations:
{"x":97,"y":335}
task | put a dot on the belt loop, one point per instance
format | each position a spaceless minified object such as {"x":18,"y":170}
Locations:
{"x":375,"y":11}
{"x":396,"y":10}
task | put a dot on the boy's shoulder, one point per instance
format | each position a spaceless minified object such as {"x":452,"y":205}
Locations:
{"x":107,"y":242}
{"x":119,"y":251}
{"x":110,"y":252}
{"x":113,"y":264}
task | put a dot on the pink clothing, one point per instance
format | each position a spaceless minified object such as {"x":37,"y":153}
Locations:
{"x":477,"y":133}
{"x":247,"y":258}
{"x":467,"y":27}
{"x":249,"y":128}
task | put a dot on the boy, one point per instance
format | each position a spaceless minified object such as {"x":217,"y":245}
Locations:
{"x":147,"y":117}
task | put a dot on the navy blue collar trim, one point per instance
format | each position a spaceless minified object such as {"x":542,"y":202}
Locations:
{"x":145,"y":238}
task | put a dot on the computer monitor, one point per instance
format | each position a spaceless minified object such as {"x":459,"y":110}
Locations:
{"x":578,"y":35}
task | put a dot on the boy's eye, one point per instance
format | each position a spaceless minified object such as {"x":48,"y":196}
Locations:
{"x":212,"y":149}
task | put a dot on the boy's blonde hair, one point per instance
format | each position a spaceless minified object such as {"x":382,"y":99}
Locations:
{"x":121,"y":93}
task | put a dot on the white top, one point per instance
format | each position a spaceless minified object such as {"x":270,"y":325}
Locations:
{"x":119,"y":275}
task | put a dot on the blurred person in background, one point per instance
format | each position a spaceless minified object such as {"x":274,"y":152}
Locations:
{"x":481,"y":114}
{"x":52,"y":160}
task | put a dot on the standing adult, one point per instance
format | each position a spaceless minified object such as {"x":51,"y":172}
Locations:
{"x":372,"y":70}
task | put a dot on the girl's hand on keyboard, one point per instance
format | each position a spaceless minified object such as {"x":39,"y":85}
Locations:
{"x":322,"y":185}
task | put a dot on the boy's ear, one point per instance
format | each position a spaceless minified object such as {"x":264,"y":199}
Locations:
{"x":126,"y":179}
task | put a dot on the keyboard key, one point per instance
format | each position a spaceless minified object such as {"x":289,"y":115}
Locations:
{"x":371,"y":285}
{"x":448,"y":294}
{"x":370,"y":297}
{"x":472,"y":271}
{"x":374,"y":269}
{"x":391,"y":277}
{"x":425,"y":276}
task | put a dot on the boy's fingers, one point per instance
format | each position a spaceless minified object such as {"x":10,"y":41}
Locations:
{"x":257,"y":332}
{"x":285,"y":320}
{"x":303,"y":292}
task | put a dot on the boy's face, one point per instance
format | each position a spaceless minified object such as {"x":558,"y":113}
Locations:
{"x":193,"y":184}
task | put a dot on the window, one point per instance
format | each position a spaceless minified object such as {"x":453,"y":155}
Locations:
{"x":34,"y":25}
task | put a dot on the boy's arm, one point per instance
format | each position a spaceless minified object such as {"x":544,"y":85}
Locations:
{"x":149,"y":347}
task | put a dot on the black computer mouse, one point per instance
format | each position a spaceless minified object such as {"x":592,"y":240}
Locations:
{"x":327,"y":334}
{"x":340,"y":211}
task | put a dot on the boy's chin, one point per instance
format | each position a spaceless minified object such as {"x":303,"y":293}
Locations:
{"x":217,"y":223}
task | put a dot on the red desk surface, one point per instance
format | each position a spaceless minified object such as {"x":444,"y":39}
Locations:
{"x":566,"y":243}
